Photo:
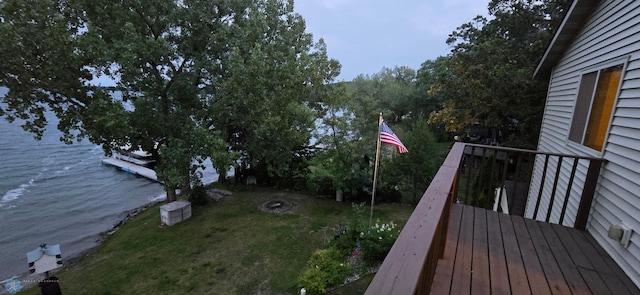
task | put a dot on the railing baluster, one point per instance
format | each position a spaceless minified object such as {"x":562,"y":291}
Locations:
{"x":480,"y":183}
{"x":470,"y":162}
{"x":542,"y":181}
{"x":553,"y":190}
{"x":590,"y":182}
{"x":515,"y":181}
{"x":505,"y":171}
{"x":568,"y":193}
{"x":491,"y":186}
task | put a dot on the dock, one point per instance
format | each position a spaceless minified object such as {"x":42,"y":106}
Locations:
{"x":131,"y":168}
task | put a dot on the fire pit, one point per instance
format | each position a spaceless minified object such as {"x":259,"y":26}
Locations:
{"x":276,"y":206}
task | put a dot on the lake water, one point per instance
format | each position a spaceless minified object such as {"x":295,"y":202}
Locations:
{"x":55,"y":193}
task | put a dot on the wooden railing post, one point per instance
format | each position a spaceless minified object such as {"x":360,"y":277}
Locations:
{"x":588,"y":191}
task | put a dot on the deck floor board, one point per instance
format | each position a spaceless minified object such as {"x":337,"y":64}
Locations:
{"x":461,"y":280}
{"x":497,"y":261}
{"x":494,"y":253}
{"x":515,"y":267}
{"x":535,"y":273}
{"x":444,"y":271}
{"x":480,"y":280}
{"x":557,"y":283}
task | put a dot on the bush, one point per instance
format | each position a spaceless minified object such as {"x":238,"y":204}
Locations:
{"x":314,"y":281}
{"x":389,"y":195}
{"x":198,"y":196}
{"x":377,"y":242}
{"x":348,"y":241}
{"x":325,"y":268}
{"x":345,"y":244}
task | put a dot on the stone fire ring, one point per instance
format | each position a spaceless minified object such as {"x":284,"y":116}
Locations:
{"x":276,"y":206}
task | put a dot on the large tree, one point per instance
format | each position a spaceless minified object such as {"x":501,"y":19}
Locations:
{"x":185,"y":70}
{"x":491,"y":67}
{"x":274,"y":78}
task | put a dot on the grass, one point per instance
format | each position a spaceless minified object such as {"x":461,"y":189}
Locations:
{"x":227,"y":247}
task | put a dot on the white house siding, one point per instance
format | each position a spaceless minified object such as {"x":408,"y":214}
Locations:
{"x":611,"y":33}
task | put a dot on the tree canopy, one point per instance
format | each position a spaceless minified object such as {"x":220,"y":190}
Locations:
{"x":491,"y":66}
{"x":196,"y":79}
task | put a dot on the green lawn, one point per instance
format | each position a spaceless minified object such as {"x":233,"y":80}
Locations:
{"x":227,"y":247}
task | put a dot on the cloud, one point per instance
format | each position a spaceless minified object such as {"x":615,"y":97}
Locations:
{"x":332,"y":4}
{"x":442,"y":19}
{"x":368,"y":35}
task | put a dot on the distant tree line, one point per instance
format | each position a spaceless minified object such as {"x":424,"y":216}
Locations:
{"x":243,"y":83}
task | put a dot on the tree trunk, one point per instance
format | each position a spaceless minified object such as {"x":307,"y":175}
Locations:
{"x":185,"y":190}
{"x":222,"y":175}
{"x":171,"y":195}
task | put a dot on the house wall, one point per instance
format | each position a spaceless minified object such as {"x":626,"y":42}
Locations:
{"x":610,"y":34}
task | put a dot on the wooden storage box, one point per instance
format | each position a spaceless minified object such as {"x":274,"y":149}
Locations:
{"x":175,"y":212}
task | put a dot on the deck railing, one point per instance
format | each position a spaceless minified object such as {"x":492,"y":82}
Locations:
{"x":411,"y":263}
{"x":494,"y":177}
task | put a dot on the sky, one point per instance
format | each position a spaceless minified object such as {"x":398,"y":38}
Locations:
{"x":367,"y":35}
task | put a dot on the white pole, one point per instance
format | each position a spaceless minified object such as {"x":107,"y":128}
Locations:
{"x":375,"y":171}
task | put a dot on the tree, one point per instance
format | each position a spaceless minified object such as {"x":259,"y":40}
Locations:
{"x":177,"y":65}
{"x":429,"y":99}
{"x":349,"y":126}
{"x":342,"y":163}
{"x":412,"y":172}
{"x":491,"y":66}
{"x":272,"y":80}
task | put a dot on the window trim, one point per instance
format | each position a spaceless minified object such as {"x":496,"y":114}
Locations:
{"x":622,"y":61}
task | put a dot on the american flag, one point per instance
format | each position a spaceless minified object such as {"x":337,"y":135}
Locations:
{"x":387,"y":136}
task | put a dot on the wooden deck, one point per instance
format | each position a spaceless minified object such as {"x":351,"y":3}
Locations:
{"x":492,"y":253}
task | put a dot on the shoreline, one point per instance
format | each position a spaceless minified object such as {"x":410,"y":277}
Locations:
{"x":28,"y":280}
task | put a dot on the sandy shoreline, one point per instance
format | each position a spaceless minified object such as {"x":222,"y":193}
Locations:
{"x":27,"y":280}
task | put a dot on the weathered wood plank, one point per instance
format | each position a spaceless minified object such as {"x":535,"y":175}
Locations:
{"x":602,"y":279}
{"x":594,"y":281}
{"x":497,"y":262}
{"x":552,"y":271}
{"x":615,"y":284}
{"x":444,"y":272}
{"x":515,"y":266}
{"x":461,"y":280}
{"x":596,"y":259}
{"x":572,"y":247}
{"x":618,"y":273}
{"x":572,"y":276}
{"x":480,"y":279}
{"x":535,"y":274}
{"x":493,"y":253}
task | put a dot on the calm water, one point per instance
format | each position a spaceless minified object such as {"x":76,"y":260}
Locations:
{"x":55,"y":193}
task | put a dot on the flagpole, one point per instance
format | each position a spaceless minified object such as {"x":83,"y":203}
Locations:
{"x":375,"y":171}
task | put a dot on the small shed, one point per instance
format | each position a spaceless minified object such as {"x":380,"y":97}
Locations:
{"x":44,"y":259}
{"x":175,"y":212}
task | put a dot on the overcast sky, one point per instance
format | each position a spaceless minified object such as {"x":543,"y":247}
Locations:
{"x":366,"y":35}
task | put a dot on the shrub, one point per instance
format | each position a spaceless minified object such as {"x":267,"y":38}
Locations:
{"x":198,"y":196}
{"x":376,"y":243}
{"x":345,"y":244}
{"x":314,"y":281}
{"x":348,"y":241}
{"x":325,"y":268}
